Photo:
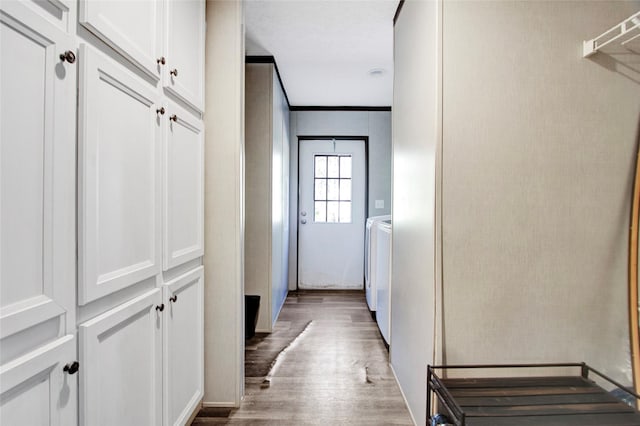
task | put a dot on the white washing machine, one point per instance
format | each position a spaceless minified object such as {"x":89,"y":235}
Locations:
{"x":383,"y":278}
{"x":370,"y":259}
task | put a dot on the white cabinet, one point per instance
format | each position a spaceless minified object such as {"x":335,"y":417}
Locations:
{"x":119,"y":181}
{"x":121,"y":364}
{"x":101,"y":171}
{"x":158,"y":37}
{"x":184,"y":51}
{"x":35,"y":389}
{"x":183,"y":347}
{"x":183,"y":196}
{"x":132,"y":28}
{"x":37,"y":121}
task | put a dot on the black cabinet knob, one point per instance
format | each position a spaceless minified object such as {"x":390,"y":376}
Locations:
{"x":174,"y":299}
{"x":68,"y":56}
{"x":72,"y":368}
{"x":173,"y":118}
{"x":161,"y":60}
{"x":174,"y":72}
{"x":160,"y":111}
{"x":160,"y":307}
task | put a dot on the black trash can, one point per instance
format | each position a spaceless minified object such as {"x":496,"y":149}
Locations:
{"x":251,"y":309}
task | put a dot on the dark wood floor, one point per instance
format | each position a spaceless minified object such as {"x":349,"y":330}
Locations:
{"x":335,"y":373}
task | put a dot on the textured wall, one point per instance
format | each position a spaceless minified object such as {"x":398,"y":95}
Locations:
{"x":224,"y":209}
{"x":258,"y":180}
{"x":415,"y":141}
{"x":539,"y":148}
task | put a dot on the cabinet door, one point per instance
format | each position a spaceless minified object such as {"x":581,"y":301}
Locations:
{"x":37,"y":171}
{"x":183,"y":347}
{"x":131,"y":28}
{"x":34,"y":389}
{"x":119,"y":183}
{"x":183,"y":187}
{"x":121,"y":360}
{"x":184,"y":51}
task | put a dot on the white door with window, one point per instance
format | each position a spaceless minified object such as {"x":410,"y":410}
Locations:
{"x":331,"y":214}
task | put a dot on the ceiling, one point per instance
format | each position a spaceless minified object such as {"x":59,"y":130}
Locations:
{"x":326,"y":50}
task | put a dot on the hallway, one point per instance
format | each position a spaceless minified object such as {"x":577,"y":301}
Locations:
{"x":335,"y":372}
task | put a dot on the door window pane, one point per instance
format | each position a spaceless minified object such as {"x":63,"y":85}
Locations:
{"x":333,"y":211}
{"x":321,"y":166}
{"x":345,"y":211}
{"x":320,"y":191}
{"x":320,"y":211}
{"x":345,"y":189}
{"x":333,"y":166}
{"x":332,"y":188}
{"x":345,"y":166}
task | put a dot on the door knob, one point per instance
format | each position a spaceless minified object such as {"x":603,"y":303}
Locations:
{"x":173,"y":118}
{"x":72,"y":368}
{"x":160,"y":111}
{"x":303,"y":221}
{"x":174,"y":72}
{"x":68,"y":56}
{"x":303,"y":213}
{"x":161,"y":60}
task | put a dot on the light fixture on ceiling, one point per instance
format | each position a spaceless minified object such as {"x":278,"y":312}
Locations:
{"x":377,"y":72}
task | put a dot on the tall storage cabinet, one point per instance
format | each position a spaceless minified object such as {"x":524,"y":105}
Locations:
{"x":267,"y":191}
{"x":37,"y":215}
{"x":101,"y":156}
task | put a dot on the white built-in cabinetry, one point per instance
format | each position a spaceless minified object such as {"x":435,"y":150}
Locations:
{"x":108,"y":207}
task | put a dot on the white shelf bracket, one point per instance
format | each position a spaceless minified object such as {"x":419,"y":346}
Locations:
{"x":625,"y":31}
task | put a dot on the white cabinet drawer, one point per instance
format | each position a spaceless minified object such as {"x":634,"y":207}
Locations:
{"x":183,"y":196}
{"x":120,"y":178}
{"x":121,"y":358}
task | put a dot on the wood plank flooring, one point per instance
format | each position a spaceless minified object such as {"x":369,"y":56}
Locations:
{"x":335,"y":373}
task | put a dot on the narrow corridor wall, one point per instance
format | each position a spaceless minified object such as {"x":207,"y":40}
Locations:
{"x":224,"y":204}
{"x":539,"y":149}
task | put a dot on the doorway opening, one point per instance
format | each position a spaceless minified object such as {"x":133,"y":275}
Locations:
{"x":331,"y":214}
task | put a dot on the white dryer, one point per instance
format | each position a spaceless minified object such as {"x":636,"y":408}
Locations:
{"x":383,"y":278}
{"x":370,"y":259}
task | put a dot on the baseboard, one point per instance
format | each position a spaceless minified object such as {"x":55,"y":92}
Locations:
{"x":193,"y":415}
{"x":229,"y":404}
{"x":406,"y":403}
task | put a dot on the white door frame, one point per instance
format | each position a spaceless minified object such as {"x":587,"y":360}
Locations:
{"x":365,"y":140}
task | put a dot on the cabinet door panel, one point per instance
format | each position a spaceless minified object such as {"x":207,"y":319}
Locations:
{"x":119,"y":163}
{"x":132,"y":28}
{"x":183,"y":188}
{"x":37,"y":178}
{"x":184,"y":48}
{"x":183,"y":347}
{"x":121,"y":355}
{"x":34,"y":390}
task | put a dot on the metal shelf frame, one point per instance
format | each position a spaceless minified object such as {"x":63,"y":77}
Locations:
{"x":627,"y":31}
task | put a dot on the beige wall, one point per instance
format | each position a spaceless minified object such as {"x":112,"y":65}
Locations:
{"x":224,"y":210}
{"x":267,"y":192}
{"x":415,"y":126}
{"x":258,"y":149}
{"x":539,"y":148}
